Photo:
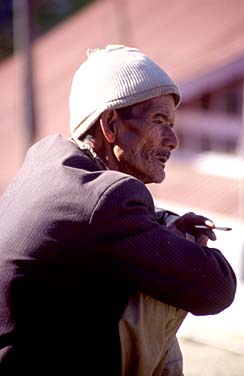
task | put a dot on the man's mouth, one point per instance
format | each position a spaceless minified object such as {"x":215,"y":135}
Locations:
{"x":163,"y":158}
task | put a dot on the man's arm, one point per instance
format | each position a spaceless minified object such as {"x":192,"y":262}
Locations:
{"x":134,"y":247}
{"x":165,"y":217}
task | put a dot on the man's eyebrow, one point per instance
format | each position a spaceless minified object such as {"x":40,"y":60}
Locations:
{"x":163,"y":115}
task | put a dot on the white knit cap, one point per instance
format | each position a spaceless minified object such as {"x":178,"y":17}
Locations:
{"x":114,"y":77}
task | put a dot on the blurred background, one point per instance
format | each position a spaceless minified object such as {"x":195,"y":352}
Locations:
{"x":201,"y":45}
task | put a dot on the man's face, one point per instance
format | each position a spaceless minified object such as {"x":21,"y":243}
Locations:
{"x":146,"y":138}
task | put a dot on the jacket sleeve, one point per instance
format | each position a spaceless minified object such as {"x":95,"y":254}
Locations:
{"x":165,"y":217}
{"x":134,"y":247}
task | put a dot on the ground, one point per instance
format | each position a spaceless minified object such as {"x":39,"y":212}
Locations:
{"x":204,"y":360}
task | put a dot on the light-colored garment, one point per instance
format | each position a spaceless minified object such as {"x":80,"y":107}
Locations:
{"x":147,"y":335}
{"x":174,"y":361}
{"x":114,"y":77}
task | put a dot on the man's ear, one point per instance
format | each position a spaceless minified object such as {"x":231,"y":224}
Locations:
{"x":108,"y":124}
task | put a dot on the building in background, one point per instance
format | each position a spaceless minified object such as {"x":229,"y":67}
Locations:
{"x":45,"y":14}
{"x":211,"y":115}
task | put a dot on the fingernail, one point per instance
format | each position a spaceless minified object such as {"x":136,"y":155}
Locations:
{"x":209,"y":223}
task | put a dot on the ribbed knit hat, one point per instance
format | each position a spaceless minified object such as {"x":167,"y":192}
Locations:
{"x":114,"y":77}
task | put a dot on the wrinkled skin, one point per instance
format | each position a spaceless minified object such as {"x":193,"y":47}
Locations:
{"x":146,"y":139}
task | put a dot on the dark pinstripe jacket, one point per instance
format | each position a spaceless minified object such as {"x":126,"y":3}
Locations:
{"x":75,"y":241}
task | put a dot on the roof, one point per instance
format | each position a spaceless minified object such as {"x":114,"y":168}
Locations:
{"x":189,"y":39}
{"x":190,"y":187}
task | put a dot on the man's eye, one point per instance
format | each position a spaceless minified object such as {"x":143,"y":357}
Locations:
{"x":157,"y":121}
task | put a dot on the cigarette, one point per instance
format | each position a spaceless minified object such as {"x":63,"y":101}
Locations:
{"x":214,"y":227}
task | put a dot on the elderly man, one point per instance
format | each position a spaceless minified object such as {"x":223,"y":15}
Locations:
{"x":87,"y":264}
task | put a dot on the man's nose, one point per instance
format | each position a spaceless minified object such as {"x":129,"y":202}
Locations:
{"x":171,"y":140}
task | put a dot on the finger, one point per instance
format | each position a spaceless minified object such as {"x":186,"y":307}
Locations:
{"x":202,"y":240}
{"x":190,"y":219}
{"x":209,"y":223}
{"x":209,"y":233}
{"x":188,"y":222}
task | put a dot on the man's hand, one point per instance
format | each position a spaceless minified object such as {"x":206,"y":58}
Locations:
{"x":185,"y":226}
